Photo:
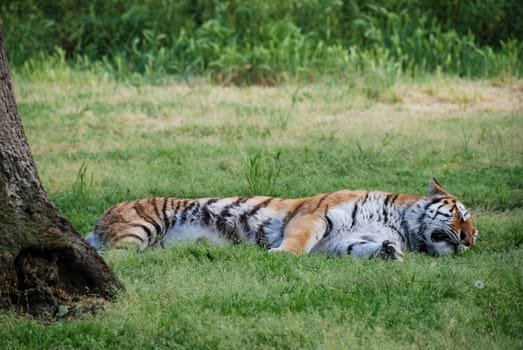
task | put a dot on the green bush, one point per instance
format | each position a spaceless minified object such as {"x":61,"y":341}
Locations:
{"x":265,"y":41}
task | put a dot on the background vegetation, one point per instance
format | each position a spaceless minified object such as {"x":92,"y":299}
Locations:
{"x":119,"y":101}
{"x":266,"y":42}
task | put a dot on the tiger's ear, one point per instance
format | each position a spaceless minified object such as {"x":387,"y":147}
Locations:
{"x":435,"y":189}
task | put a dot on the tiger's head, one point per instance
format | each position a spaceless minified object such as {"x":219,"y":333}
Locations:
{"x":445,"y":225}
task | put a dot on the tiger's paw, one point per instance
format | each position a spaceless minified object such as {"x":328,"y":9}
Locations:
{"x":282,"y":250}
{"x":275,"y":250}
{"x":391,"y":250}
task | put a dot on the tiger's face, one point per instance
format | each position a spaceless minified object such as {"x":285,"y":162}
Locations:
{"x":447,"y":227}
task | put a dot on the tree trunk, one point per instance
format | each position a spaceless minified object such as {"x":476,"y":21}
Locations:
{"x":44,"y":263}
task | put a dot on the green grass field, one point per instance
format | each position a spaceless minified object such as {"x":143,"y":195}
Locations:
{"x":97,"y":142}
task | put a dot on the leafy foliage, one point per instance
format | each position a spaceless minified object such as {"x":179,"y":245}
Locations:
{"x":256,"y":41}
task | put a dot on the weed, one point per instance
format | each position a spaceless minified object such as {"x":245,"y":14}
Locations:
{"x":280,"y":119}
{"x":262,"y":172}
{"x":81,"y":189}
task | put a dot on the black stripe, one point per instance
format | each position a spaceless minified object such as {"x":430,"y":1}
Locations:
{"x":174,"y":203}
{"x":193,"y":211}
{"x":354,"y":212}
{"x":154,"y":203}
{"x":221,"y":221}
{"x":130,"y":235}
{"x":228,"y":230}
{"x":257,"y":207}
{"x":165,"y":218}
{"x":205,"y":214}
{"x":391,"y":198}
{"x":385,"y":214}
{"x":260,"y":205}
{"x":398,"y":232}
{"x":322,"y":199}
{"x":139,"y":210}
{"x":186,"y":210}
{"x":434,"y":200}
{"x":421,"y":219}
{"x":357,"y":207}
{"x":261,"y":239}
{"x":328,"y":228}
{"x":176,"y":210}
{"x":243,"y":222}
{"x":349,"y":248}
{"x":155,"y":206}
{"x":444,"y":215}
{"x":211,"y":201}
{"x":146,"y":229}
{"x":292,"y":214}
{"x":234,"y":235}
{"x":424,"y":215}
{"x":236,"y":203}
{"x":220,"y":225}
{"x":244,"y":217}
{"x":438,"y":208}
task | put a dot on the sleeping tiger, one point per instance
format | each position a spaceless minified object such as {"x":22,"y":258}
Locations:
{"x":359,"y":223}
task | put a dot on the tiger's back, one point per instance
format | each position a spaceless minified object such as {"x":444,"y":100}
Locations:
{"x":343,"y":222}
{"x":147,"y":222}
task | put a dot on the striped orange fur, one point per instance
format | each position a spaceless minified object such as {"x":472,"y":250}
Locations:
{"x":359,"y":223}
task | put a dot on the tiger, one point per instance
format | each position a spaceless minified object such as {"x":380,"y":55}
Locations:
{"x":359,"y":223}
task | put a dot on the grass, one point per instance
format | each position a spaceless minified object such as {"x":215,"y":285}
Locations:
{"x":97,"y":141}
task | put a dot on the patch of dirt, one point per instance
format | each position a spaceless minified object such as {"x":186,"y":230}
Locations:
{"x":464,"y":95}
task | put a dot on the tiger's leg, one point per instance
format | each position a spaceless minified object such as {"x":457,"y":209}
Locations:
{"x":386,"y":249}
{"x":301,"y":234}
{"x":129,"y":237}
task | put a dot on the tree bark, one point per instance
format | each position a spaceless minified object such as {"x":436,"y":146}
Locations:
{"x":44,"y":262}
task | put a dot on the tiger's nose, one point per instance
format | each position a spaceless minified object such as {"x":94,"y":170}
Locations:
{"x":467,"y":240}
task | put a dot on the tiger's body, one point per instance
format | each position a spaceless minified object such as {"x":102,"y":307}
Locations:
{"x":359,"y":223}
